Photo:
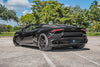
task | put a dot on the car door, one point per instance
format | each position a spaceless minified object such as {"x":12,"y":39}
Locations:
{"x":27,"y":34}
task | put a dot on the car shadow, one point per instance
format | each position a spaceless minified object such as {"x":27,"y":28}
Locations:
{"x":31,"y":47}
{"x":67,"y":49}
{"x":60,"y":49}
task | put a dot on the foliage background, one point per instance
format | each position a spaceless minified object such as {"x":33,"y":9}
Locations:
{"x":54,"y":12}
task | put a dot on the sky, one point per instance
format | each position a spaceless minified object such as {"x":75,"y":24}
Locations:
{"x":22,"y":7}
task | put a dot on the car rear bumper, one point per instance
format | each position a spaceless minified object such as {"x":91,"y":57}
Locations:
{"x":69,"y":41}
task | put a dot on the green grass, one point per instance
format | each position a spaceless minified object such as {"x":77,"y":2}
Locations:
{"x":7,"y":33}
{"x":93,"y":33}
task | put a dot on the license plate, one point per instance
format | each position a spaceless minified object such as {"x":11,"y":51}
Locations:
{"x":73,"y":41}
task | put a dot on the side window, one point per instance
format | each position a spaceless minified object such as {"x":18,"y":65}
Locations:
{"x":30,"y":28}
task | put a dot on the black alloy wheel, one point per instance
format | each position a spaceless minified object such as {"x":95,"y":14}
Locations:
{"x":43,"y":43}
{"x":16,"y":41}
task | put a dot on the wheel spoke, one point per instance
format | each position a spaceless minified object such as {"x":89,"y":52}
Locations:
{"x":42,"y":42}
{"x":18,"y":40}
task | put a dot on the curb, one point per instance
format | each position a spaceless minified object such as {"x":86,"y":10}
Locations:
{"x":6,"y":36}
{"x":93,"y":36}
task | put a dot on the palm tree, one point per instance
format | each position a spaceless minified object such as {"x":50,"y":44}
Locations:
{"x":6,"y":14}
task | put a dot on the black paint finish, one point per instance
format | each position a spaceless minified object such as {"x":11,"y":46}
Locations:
{"x":69,"y":35}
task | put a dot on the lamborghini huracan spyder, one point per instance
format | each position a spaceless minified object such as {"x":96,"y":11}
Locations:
{"x":47,"y":36}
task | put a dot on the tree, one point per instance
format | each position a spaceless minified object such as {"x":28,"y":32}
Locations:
{"x":38,"y":8}
{"x":15,"y":28}
{"x":95,"y":11}
{"x":6,"y":14}
{"x":27,"y":19}
{"x":66,"y":15}
{"x":75,"y":9}
{"x":96,"y":27}
{"x":51,"y":13}
{"x":79,"y":16}
{"x":2,"y":28}
{"x":95,"y":15}
{"x":8,"y":28}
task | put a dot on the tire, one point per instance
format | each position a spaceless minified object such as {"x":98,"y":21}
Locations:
{"x":44,"y":43}
{"x":79,"y":46}
{"x":15,"y":40}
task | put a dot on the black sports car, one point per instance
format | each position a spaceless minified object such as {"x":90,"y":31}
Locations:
{"x":47,"y":36}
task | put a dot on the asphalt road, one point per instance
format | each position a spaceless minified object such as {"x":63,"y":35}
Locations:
{"x":11,"y":56}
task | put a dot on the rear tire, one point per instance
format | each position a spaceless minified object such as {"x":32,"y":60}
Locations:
{"x":16,"y":40}
{"x":79,"y":46}
{"x":44,"y":43}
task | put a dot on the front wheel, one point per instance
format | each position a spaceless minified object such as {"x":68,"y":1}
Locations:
{"x":16,"y":40}
{"x":79,"y":46}
{"x":44,"y":43}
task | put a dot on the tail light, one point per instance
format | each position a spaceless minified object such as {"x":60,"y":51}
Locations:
{"x":83,"y":30}
{"x":56,"y":30}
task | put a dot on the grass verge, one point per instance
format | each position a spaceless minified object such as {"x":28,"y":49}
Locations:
{"x":7,"y":33}
{"x":93,"y":33}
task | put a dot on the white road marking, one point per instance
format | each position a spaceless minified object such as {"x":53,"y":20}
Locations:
{"x":9,"y":42}
{"x":87,"y":59}
{"x":48,"y":60}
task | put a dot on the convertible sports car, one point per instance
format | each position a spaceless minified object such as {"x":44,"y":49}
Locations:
{"x":47,"y":36}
